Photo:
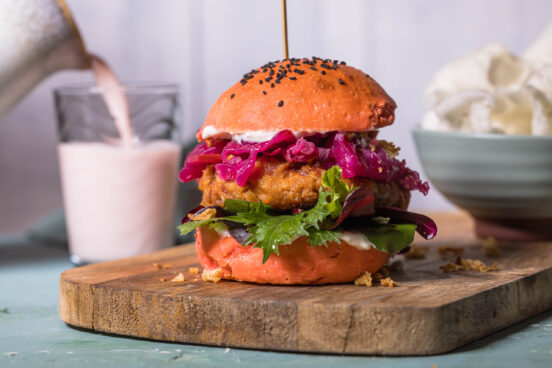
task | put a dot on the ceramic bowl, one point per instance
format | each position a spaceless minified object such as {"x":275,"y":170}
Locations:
{"x":504,"y":182}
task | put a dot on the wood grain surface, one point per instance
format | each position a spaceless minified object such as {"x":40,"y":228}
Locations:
{"x":430,"y":312}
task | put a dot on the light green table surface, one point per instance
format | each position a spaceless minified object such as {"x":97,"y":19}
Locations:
{"x":32,"y":335}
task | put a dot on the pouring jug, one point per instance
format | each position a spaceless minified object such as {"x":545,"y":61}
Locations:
{"x":37,"y":38}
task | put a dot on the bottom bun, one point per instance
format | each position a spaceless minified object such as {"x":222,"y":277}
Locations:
{"x":298,"y":263}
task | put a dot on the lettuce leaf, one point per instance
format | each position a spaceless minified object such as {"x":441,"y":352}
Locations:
{"x":389,"y":238}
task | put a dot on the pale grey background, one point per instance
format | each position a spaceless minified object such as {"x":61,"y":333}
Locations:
{"x":207,"y":45}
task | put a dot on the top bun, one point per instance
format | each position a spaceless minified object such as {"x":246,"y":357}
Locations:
{"x":302,"y":95}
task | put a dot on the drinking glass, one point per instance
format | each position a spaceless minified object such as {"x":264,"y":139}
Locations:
{"x":119,"y":201}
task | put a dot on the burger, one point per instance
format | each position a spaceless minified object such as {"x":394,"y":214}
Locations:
{"x":297,"y":187}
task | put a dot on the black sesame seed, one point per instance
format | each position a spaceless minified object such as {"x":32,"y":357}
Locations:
{"x":313,"y":68}
{"x":271,"y":85}
{"x":293,"y":78}
{"x":232,"y":95}
{"x":264,"y":92}
{"x":281,"y":103}
{"x":277,"y":81}
{"x":323,"y":72}
{"x":343,"y":63}
{"x":340,"y":81}
{"x":260,"y":81}
{"x":268,"y":79}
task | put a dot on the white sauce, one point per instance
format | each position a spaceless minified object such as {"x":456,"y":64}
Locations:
{"x":254,"y":136}
{"x":248,"y":136}
{"x":209,"y":131}
{"x":353,"y":238}
{"x":223,"y":233}
{"x":356,"y":239}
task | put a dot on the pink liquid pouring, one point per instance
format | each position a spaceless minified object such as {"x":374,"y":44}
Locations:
{"x":119,"y":198}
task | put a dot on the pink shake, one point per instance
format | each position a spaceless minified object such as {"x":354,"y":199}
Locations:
{"x":119,"y":198}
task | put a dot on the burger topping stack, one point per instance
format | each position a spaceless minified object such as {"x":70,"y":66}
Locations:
{"x":296,"y":186}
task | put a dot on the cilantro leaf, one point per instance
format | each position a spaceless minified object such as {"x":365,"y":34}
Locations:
{"x":269,"y":233}
{"x":240,"y":206}
{"x":258,"y":211}
{"x":190,"y":226}
{"x":332,"y":180}
{"x":331,"y":197}
{"x":319,"y":212}
{"x":319,"y":237}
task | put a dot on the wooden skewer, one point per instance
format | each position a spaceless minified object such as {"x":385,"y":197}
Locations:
{"x":284,"y":29}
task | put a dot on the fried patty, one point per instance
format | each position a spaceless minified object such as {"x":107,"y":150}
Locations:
{"x":285,"y":186}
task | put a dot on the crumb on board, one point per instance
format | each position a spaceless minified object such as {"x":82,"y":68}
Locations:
{"x":397,"y":266}
{"x":477,"y":265}
{"x":389,"y":282}
{"x":416,"y":252}
{"x":178,"y":278}
{"x":464,"y":264}
{"x":364,"y":279}
{"x":203,"y":215}
{"x":451,"y":267}
{"x":450,"y":251}
{"x":212,"y":275}
{"x":382,"y":273}
{"x":194,"y":270}
{"x":163,"y":279}
{"x":490,"y":247}
{"x":159,"y":266}
{"x":381,"y":277}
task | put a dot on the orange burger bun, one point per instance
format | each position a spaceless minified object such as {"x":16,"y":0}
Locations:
{"x":298,"y":262}
{"x":334,"y":97}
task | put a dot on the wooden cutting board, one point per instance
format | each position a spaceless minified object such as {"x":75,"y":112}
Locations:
{"x":430,"y":312}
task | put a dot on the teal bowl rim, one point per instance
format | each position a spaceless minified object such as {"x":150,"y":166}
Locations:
{"x":483,"y":136}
